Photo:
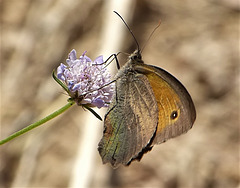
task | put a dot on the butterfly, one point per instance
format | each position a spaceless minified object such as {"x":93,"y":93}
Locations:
{"x":149,"y":106}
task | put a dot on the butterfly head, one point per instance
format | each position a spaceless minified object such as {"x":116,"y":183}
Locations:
{"x":136,"y":56}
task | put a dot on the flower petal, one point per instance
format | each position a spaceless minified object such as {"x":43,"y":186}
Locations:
{"x":72,"y":55}
{"x":99,"y":60}
{"x":98,"y":103}
{"x":60,"y":71}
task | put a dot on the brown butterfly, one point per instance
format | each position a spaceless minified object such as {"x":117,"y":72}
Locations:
{"x":149,"y":107}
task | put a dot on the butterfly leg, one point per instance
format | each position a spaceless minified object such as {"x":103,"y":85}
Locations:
{"x":111,"y":58}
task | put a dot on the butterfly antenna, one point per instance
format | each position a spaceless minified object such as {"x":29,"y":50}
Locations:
{"x":128,"y":29}
{"x":150,"y":36}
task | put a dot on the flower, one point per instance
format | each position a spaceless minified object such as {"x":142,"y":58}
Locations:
{"x":87,"y":81}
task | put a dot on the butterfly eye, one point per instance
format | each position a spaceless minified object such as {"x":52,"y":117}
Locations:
{"x":136,"y":56}
{"x":174,"y":115}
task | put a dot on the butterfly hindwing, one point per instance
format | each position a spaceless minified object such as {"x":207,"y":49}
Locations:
{"x":131,"y":120}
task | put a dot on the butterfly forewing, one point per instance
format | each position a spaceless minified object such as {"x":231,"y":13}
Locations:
{"x":176,"y":109}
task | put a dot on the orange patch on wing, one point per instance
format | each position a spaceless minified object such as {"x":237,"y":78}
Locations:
{"x":166,"y":98}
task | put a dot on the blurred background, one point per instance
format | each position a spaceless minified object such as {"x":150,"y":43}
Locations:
{"x":197,"y":42}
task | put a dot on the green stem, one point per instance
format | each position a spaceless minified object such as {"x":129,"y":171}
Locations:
{"x":38,"y":123}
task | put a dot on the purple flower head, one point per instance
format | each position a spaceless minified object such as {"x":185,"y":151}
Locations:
{"x":84,"y":79}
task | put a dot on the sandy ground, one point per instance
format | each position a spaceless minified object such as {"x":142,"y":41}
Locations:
{"x":198,"y":42}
